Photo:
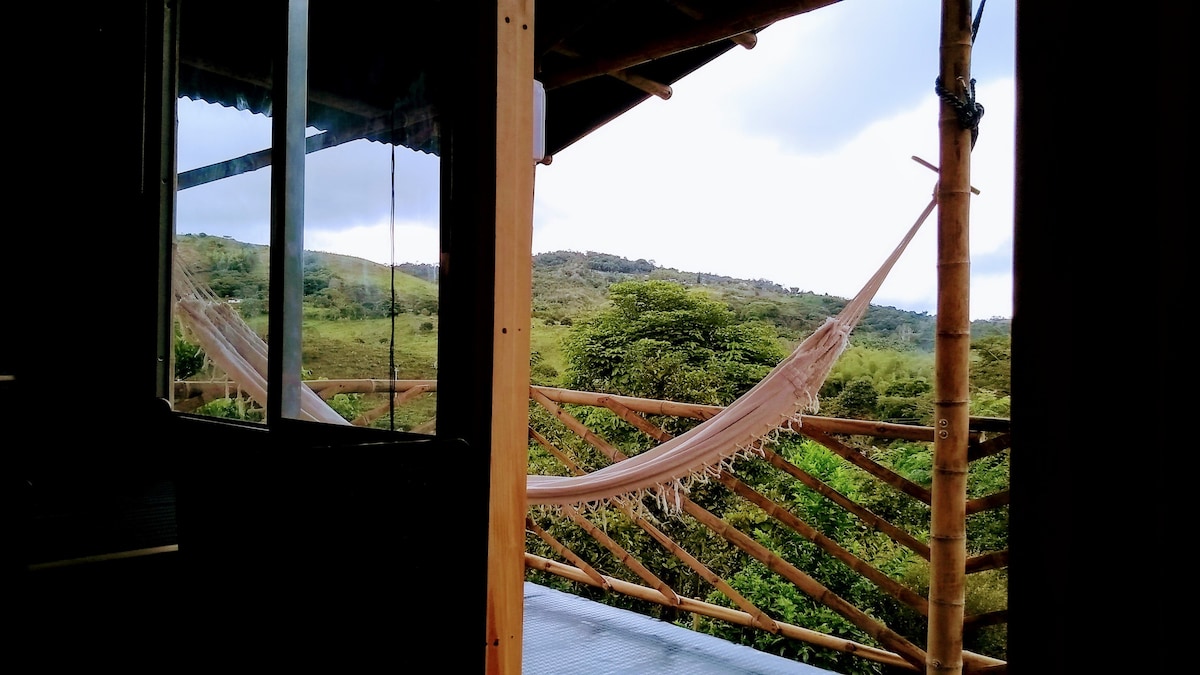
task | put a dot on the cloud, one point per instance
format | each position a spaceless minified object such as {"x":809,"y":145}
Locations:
{"x":414,"y":242}
{"x":788,"y":162}
{"x":676,"y":185}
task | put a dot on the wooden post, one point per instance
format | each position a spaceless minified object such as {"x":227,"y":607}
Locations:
{"x":510,"y":335}
{"x":952,"y":352}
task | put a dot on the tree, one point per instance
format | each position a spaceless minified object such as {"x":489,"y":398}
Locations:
{"x":659,"y":339}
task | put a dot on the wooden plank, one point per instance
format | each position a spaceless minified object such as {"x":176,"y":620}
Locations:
{"x":512,"y":298}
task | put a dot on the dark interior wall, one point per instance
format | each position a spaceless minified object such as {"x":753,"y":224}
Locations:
{"x":1103,"y":133}
{"x":294,"y":548}
{"x":1100,"y":194}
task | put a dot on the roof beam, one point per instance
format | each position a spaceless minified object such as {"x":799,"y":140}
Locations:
{"x":706,"y":31}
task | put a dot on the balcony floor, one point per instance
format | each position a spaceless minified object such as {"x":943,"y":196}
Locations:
{"x":565,"y":633}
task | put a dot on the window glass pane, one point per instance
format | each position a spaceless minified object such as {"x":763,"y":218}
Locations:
{"x":222,"y":269}
{"x":369,"y":332}
{"x":370,"y":328}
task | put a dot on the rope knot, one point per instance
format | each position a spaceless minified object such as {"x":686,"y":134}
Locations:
{"x":968,"y":110}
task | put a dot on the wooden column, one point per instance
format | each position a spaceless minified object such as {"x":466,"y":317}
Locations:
{"x":510,"y":334}
{"x":952,"y":352}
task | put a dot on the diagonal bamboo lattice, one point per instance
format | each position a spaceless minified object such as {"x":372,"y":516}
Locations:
{"x":990,"y":436}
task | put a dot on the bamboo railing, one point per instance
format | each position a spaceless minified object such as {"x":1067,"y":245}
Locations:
{"x":986,"y":437}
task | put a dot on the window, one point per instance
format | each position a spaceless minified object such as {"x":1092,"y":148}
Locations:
{"x":355,"y":296}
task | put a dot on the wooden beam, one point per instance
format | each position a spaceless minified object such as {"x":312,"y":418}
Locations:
{"x":747,"y":40}
{"x":705,"y":32}
{"x":512,"y":298}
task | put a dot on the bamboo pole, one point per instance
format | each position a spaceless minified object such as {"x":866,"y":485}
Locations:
{"x":579,"y":428}
{"x":643,"y":83}
{"x":702,"y":412}
{"x":649,"y":406}
{"x":723,"y":613}
{"x":952,"y":352}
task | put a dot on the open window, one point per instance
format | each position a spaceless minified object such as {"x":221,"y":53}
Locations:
{"x":305,"y":274}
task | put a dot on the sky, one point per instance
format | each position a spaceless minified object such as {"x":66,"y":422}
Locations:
{"x":790,"y":162}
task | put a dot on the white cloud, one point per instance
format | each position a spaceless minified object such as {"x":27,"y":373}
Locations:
{"x":672,"y":184}
{"x":414,"y":242}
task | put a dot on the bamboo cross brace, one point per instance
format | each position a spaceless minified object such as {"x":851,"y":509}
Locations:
{"x":870,"y":519}
{"x":934,"y":169}
{"x":885,"y":583}
{"x":987,"y":561}
{"x":398,"y":399}
{"x":623,"y":556}
{"x":578,"y":427}
{"x":991,"y":446}
{"x":760,"y":619}
{"x":567,"y":553}
{"x":992,"y":501}
{"x":783,"y":515}
{"x":861,"y":461}
{"x":802,"y":581}
{"x":642,"y":424}
{"x":811,"y":587}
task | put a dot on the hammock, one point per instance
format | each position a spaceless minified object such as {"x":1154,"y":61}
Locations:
{"x":786,"y":393}
{"x":233,"y":346}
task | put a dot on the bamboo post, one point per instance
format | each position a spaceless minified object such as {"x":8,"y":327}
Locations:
{"x":952,"y":352}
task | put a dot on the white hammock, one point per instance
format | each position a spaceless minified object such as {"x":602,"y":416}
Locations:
{"x":788,"y":391}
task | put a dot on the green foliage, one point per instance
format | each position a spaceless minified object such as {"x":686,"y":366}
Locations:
{"x":660,"y":340}
{"x":349,"y":406}
{"x":189,"y":358}
{"x":232,"y":408}
{"x":991,"y":364}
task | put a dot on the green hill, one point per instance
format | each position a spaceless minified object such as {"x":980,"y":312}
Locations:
{"x":347,"y":318}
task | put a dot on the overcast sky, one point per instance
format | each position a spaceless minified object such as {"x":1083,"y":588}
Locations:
{"x":789,"y":162}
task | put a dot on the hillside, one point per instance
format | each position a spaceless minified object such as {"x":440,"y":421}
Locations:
{"x":567,"y":286}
